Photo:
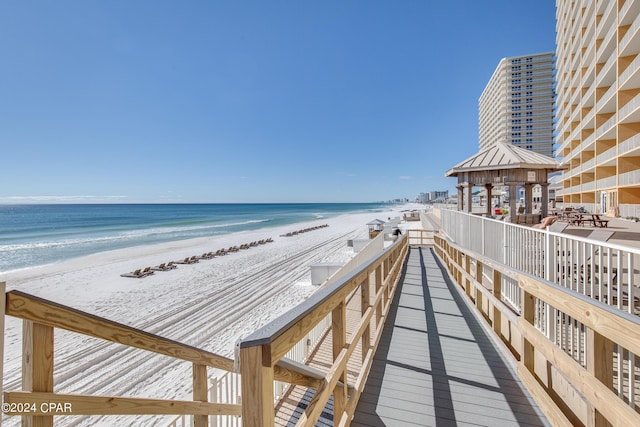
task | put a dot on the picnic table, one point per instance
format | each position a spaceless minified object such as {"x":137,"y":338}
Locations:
{"x":577,"y":218}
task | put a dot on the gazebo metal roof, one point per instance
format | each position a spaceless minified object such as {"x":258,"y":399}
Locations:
{"x":502,"y":156}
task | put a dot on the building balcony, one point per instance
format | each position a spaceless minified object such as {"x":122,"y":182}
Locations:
{"x":606,"y":183}
{"x":588,"y":165}
{"x":631,"y":111}
{"x":630,"y":146}
{"x":587,"y":61}
{"x":604,"y":131}
{"x":629,"y":11}
{"x":630,"y":43}
{"x":630,"y":78}
{"x":588,"y":118}
{"x":607,"y":20}
{"x":607,"y":102}
{"x":589,"y":186}
{"x":607,"y":156}
{"x":629,"y":178}
{"x":608,"y":45}
{"x":607,"y":75}
{"x":588,"y":141}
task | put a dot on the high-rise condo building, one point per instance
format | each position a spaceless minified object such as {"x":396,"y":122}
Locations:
{"x":598,"y":104}
{"x":517,"y":105}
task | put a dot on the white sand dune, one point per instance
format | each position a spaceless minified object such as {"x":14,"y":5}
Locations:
{"x":208,"y":305}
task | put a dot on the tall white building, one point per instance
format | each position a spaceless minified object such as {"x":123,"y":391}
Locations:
{"x":517,"y":105}
{"x":598,"y":115}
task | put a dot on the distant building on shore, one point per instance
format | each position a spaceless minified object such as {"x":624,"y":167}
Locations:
{"x":516,"y":107}
{"x":433,"y":197}
{"x":598,"y":105}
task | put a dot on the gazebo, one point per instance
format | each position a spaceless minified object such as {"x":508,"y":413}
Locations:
{"x":504,"y":165}
{"x":375,"y":227}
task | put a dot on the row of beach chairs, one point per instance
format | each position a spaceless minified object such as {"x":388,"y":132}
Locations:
{"x":140,"y":273}
{"x":304,"y":230}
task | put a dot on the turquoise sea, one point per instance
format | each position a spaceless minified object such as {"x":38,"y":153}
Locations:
{"x":32,"y":235}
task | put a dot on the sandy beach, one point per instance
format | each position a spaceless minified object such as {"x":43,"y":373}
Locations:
{"x":209,"y":304}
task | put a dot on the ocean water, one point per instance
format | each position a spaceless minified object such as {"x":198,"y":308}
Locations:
{"x":32,"y":235}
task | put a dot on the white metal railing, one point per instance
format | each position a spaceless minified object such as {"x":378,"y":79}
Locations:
{"x":607,"y":39}
{"x":600,"y":270}
{"x":629,"y":71}
{"x":605,"y":68}
{"x":630,"y":144}
{"x":588,"y":164}
{"x":589,"y":116}
{"x":625,"y":9}
{"x":607,"y":155}
{"x":609,"y":123}
{"x":629,"y":107}
{"x":608,"y":94}
{"x":629,"y":178}
{"x":606,"y":182}
{"x":630,"y":33}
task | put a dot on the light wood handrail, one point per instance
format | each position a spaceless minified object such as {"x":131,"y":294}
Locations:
{"x":110,"y":405}
{"x":261,"y":356}
{"x":49,"y":313}
{"x":41,"y":316}
{"x":605,"y":327}
{"x":303,"y":317}
{"x":265,"y":347}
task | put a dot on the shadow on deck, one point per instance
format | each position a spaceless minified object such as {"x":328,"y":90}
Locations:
{"x":436,"y":365}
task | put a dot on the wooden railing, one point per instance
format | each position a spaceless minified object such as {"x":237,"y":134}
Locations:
{"x":603,"y":271}
{"x":262,"y":354}
{"x":576,"y":355}
{"x":38,"y":403}
{"x":375,"y":283}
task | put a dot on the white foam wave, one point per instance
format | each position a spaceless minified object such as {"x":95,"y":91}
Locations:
{"x":129,"y":235}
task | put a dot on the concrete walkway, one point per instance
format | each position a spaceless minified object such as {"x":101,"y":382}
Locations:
{"x":435,"y":365}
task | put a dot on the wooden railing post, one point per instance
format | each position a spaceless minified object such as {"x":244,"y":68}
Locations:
{"x":3,"y":302}
{"x":467,"y":269}
{"x":339,"y":338}
{"x":385,"y":275}
{"x":378,"y":281}
{"x":528,"y":315}
{"x":478,"y":295}
{"x":257,"y":388}
{"x":600,"y":364}
{"x":37,"y":366}
{"x":365,"y":303}
{"x":458,"y":270}
{"x":200,"y":385}
{"x":497,"y":292}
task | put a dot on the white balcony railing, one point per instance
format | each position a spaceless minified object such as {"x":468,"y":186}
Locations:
{"x":630,"y":107}
{"x":607,"y":125}
{"x":628,"y":72}
{"x":630,"y":33}
{"x":606,"y":156}
{"x":629,"y":178}
{"x":606,"y":182}
{"x":630,"y":144}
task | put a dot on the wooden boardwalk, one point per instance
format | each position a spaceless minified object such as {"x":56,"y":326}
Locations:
{"x":435,"y":365}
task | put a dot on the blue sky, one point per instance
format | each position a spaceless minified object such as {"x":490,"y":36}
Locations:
{"x":248,"y":101}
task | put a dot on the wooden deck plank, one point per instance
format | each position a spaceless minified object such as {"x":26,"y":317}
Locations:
{"x":435,"y":364}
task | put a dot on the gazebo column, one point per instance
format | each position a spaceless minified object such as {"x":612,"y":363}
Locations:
{"x":488,"y":188}
{"x":528,"y":198}
{"x":544,"y":199}
{"x":469,"y":199}
{"x":460,"y":196}
{"x":512,"y":202}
